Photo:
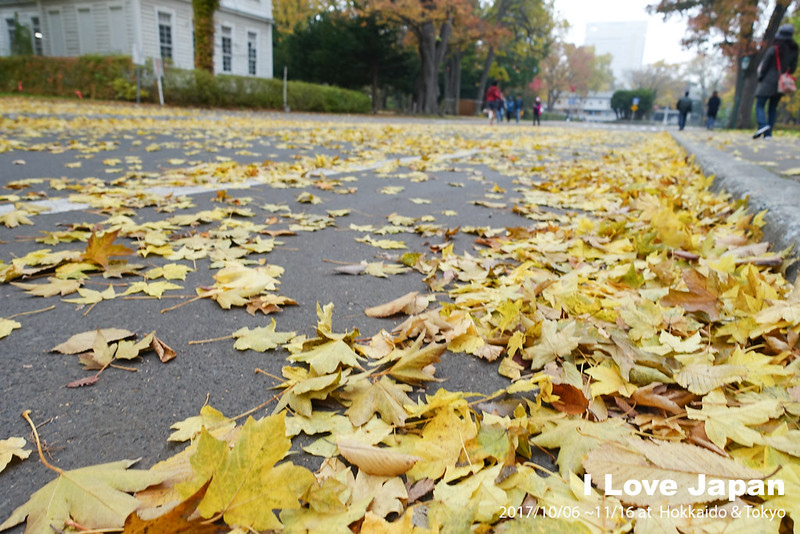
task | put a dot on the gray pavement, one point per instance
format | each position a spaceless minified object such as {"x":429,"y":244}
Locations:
{"x":128,"y":414}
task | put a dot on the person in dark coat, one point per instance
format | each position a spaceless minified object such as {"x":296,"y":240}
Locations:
{"x":767,"y":90}
{"x":712,"y":108}
{"x":684,"y":107}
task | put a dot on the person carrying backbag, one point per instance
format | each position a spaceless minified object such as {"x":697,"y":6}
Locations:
{"x":775,"y":78}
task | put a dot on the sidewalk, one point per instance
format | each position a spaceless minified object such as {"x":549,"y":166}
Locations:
{"x":779,"y":154}
{"x":765,"y":172}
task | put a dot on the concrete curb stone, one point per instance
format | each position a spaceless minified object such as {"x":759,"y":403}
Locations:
{"x":763,"y":190}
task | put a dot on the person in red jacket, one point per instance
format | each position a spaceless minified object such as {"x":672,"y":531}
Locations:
{"x":493,"y":98}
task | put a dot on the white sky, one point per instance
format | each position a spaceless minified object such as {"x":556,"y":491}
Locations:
{"x":663,"y":37}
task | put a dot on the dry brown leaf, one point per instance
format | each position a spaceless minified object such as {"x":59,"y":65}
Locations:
{"x":653,"y":395}
{"x":176,"y":521}
{"x":374,"y":460}
{"x":267,"y":304}
{"x":488,"y":352}
{"x":99,"y":249}
{"x":165,"y":353}
{"x":410,"y":304}
{"x":570,"y":399}
{"x":87,"y":381}
{"x":698,"y":298}
{"x":419,"y":489}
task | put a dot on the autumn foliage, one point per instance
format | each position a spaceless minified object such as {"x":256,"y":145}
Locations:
{"x":641,"y":328}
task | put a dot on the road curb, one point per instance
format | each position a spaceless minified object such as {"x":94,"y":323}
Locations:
{"x":763,"y":189}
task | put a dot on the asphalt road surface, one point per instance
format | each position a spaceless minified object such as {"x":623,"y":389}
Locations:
{"x":92,"y":165}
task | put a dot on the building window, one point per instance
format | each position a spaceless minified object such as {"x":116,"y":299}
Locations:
{"x":57,"y":45}
{"x":251,"y":53}
{"x":12,"y":31}
{"x":227,"y":49}
{"x":86,"y":26}
{"x":36,"y":26}
{"x":119,"y":37}
{"x":165,"y":34}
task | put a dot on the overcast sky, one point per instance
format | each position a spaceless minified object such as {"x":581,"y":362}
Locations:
{"x":663,"y":38}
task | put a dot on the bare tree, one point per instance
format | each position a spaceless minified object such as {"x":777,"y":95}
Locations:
{"x":707,"y":70}
{"x":664,"y":79}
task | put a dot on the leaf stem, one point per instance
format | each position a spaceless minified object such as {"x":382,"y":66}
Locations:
{"x":123,"y":368}
{"x":165,"y":310}
{"x":212,"y":340}
{"x":31,"y":312}
{"x":27,"y":416}
{"x":263,"y":372}
{"x":263,"y":404}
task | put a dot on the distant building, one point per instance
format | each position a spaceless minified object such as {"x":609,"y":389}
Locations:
{"x":592,"y":107}
{"x":161,"y":28}
{"x":623,"y":40}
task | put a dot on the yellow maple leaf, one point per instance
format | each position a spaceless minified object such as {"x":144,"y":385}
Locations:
{"x":246,"y":484}
{"x":95,"y":497}
{"x":723,"y":423}
{"x":12,"y":447}
{"x":154,"y":289}
{"x":261,"y":339}
{"x":558,"y":340}
{"x":7,"y":326}
{"x":387,"y":244}
{"x":608,"y":380}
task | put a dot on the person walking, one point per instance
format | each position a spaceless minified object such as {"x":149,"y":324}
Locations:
{"x":510,"y":106}
{"x":537,"y":112}
{"x":779,"y":58}
{"x":519,"y":107}
{"x":684,"y":107}
{"x":493,"y":98}
{"x":712,"y":108}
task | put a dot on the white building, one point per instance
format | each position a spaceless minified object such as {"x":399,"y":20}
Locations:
{"x":160,"y":28}
{"x":592,"y":107}
{"x":623,"y":40}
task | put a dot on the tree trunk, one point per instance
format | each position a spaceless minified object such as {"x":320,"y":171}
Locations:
{"x":452,"y":82}
{"x":487,"y":65}
{"x":552,"y":96}
{"x":484,"y":79}
{"x":750,"y":82}
{"x":432,"y":51}
{"x":747,"y":96}
{"x":375,"y":95}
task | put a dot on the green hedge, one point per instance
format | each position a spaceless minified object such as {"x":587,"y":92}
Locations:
{"x":199,"y":88}
{"x":40,"y":75}
{"x":101,"y":77}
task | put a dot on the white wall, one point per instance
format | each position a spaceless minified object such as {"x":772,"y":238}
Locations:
{"x":182,"y":47}
{"x":240,"y":26}
{"x":258,"y":8}
{"x":25,"y":13}
{"x":141,"y":24}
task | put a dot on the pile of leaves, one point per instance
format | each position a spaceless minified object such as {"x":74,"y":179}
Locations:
{"x":646,"y":332}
